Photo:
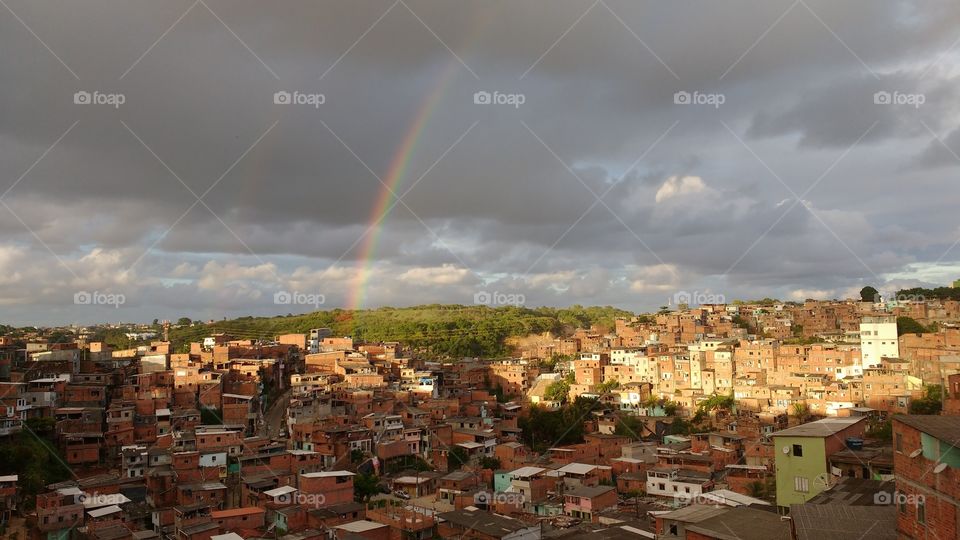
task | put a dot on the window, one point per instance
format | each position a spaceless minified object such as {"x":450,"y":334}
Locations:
{"x":898,"y":441}
{"x":801,"y":484}
{"x":903,"y":505}
{"x":921,"y":512}
{"x":798,"y":450}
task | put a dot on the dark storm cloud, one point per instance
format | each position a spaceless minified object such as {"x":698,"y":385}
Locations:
{"x":499,"y":196}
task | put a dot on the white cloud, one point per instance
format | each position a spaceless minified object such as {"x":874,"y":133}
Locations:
{"x":217,"y":275}
{"x":677,"y":186}
{"x":437,"y":275}
{"x":657,"y":278}
{"x":800,"y":295}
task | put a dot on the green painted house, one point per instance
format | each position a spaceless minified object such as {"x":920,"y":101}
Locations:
{"x":802,"y":466}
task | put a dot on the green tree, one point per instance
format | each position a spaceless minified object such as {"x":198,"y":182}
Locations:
{"x":365,"y":486}
{"x":801,"y":412}
{"x":41,"y":425}
{"x":930,"y":403}
{"x":490,"y":463}
{"x":881,"y":430}
{"x":869,"y":294}
{"x":630,"y":426}
{"x":907,"y":325}
{"x":757,"y":489}
{"x":670,"y":408}
{"x":740,"y":322}
{"x":35,"y":458}
{"x":558,"y":391}
{"x":457,"y":457}
{"x":605,"y":388}
{"x":209,"y":416}
{"x":679,"y":426}
{"x":717,"y":402}
{"x":184,"y":321}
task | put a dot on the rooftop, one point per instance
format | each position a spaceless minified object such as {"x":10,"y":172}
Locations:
{"x":694,"y":513}
{"x":280,"y":491}
{"x":493,"y":525}
{"x":744,"y":523}
{"x":326,"y":474}
{"x":821,"y":428}
{"x":576,"y":468}
{"x":945,"y":428}
{"x":233,"y":512}
{"x":840,"y":522}
{"x":362,"y":525}
{"x":105,"y":511}
{"x":589,"y":491}
{"x":526,"y":471}
{"x":853,"y":492}
{"x":227,"y":536}
{"x":732,"y":498}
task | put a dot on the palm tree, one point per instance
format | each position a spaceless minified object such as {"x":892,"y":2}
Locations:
{"x":756,"y":489}
{"x":801,"y":412}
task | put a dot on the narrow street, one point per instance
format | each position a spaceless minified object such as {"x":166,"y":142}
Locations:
{"x":275,"y":418}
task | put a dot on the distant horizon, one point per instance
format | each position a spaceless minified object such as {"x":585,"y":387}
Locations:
{"x":374,"y":308}
{"x":186,"y":159}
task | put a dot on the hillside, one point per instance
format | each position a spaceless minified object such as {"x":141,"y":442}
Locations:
{"x":436,"y":330}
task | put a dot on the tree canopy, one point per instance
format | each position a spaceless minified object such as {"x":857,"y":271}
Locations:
{"x":869,"y":294}
{"x":906,"y":325}
{"x":436,"y":330}
{"x":930,"y":403}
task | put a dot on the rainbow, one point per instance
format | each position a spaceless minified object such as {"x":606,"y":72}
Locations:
{"x":396,"y":172}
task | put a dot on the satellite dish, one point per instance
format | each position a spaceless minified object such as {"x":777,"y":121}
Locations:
{"x":916,"y":453}
{"x":939,"y":468}
{"x":785,"y":450}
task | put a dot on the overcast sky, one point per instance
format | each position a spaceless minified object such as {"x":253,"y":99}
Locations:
{"x":632,"y":151}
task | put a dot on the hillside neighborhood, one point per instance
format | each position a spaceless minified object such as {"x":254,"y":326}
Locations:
{"x":756,"y":420}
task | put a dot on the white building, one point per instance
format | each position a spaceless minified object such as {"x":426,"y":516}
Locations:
{"x":668,"y":482}
{"x":878,"y":339}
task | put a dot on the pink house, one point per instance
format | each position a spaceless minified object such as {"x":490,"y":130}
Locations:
{"x":586,"y":502}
